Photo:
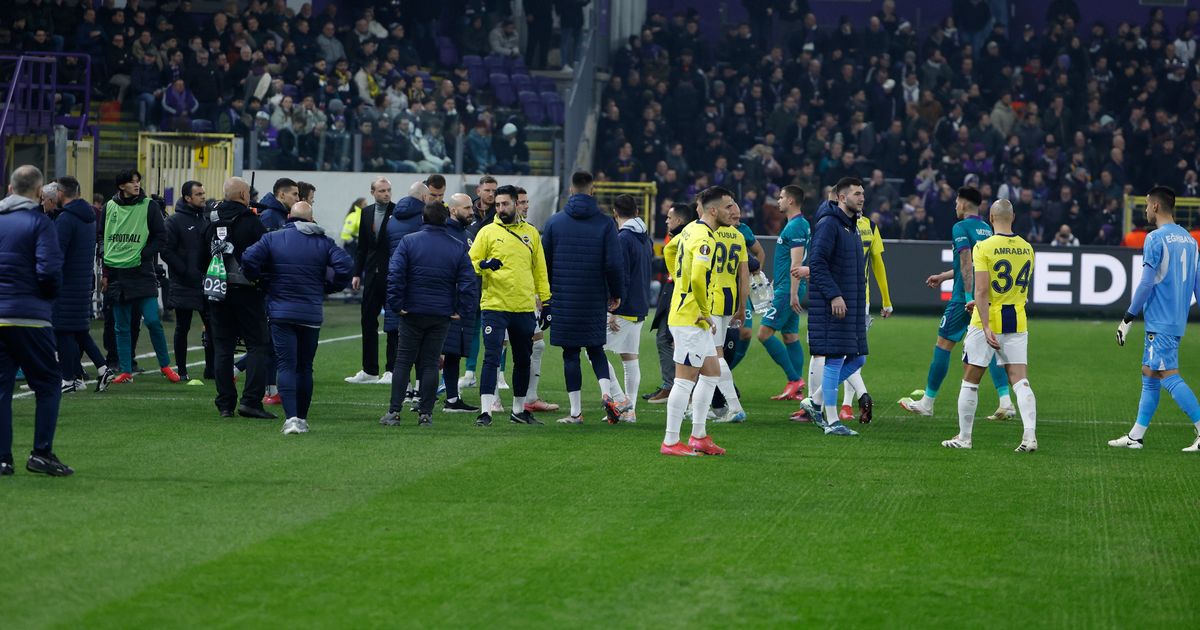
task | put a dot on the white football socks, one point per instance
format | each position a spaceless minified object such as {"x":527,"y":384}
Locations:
{"x":614,"y":386}
{"x":535,"y":369}
{"x":1137,"y":432}
{"x":633,"y":380}
{"x":701,"y":401}
{"x":606,"y":385}
{"x":518,"y":404}
{"x":486,"y":401}
{"x":677,"y":403}
{"x":816,"y":373}
{"x":728,"y":390}
{"x":576,"y":399}
{"x":1027,"y":405}
{"x":968,"y":400}
{"x":855,"y":388}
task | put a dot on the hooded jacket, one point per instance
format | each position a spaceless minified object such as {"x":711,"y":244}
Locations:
{"x":30,"y":262}
{"x":458,"y":336}
{"x":430,"y":274}
{"x":140,"y":281}
{"x":297,"y":264}
{"x":76,"y":227}
{"x":272,"y":213}
{"x":407,"y":217}
{"x":586,"y":270}
{"x":835,"y":258}
{"x":638,"y":253}
{"x":244,"y":230}
{"x":186,"y":251}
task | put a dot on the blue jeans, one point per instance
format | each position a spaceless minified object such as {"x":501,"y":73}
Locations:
{"x":123,"y":315}
{"x":145,"y":107}
{"x":570,"y":45}
{"x":295,"y":349}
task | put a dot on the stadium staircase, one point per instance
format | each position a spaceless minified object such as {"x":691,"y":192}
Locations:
{"x":118,"y":139}
{"x":28,"y":87}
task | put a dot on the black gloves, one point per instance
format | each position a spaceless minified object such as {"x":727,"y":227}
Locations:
{"x":754,"y":264}
{"x":544,"y":319}
{"x":491,"y":263}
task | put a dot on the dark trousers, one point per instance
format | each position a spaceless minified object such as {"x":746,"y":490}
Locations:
{"x":72,"y":344}
{"x":450,"y":366}
{"x":473,"y":353}
{"x":242,"y":314}
{"x":295,"y":349}
{"x":519,"y":327}
{"x":665,"y":344}
{"x":110,"y":334}
{"x":537,"y":46}
{"x":573,"y":372}
{"x":33,"y":351}
{"x":421,"y":339}
{"x":373,"y":298}
{"x":183,"y":326}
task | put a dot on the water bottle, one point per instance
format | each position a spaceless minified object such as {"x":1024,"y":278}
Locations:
{"x":761,"y":292}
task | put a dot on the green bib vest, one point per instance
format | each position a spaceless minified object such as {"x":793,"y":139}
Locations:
{"x":126,"y":229}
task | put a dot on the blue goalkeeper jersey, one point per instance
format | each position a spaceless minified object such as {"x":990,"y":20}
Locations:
{"x":966,"y":233}
{"x":794,"y":234}
{"x":1170,"y":254}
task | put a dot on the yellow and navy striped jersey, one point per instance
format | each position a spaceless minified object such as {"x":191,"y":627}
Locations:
{"x":695,"y":247}
{"x":728,"y":254}
{"x":1008,"y":260}
{"x":873,"y":255}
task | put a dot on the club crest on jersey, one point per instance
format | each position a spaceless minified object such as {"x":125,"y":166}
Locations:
{"x":525,"y":237}
{"x":487,"y":330}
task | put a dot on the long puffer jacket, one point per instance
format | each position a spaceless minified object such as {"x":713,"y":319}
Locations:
{"x":297,"y":265}
{"x":76,"y":226}
{"x":835,"y":258}
{"x":586,"y":269}
{"x":407,"y":217}
{"x":186,"y":251}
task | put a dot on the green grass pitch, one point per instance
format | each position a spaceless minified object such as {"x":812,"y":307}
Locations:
{"x":179,"y":518}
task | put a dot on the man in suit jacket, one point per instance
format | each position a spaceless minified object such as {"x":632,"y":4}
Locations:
{"x":370,"y":275}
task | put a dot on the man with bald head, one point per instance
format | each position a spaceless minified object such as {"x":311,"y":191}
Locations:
{"x":233,"y":228}
{"x":370,"y":275}
{"x":30,"y":274}
{"x":461,"y":331}
{"x":293,"y":263}
{"x":406,"y":219}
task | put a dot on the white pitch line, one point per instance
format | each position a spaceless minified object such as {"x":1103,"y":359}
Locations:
{"x":196,"y":363}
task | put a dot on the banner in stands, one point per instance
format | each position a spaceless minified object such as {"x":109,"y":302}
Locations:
{"x":336,"y":191}
{"x":1076,"y":281}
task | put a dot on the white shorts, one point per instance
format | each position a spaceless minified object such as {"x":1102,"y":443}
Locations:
{"x":692,"y":345}
{"x":626,"y":339}
{"x":720,"y":327}
{"x":1014,"y":348}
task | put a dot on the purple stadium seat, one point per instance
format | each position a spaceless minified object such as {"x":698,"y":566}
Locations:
{"x":291,"y":90}
{"x":532,"y":107}
{"x":503,"y":89}
{"x":475,"y":70}
{"x":544,"y":84}
{"x":494,"y":64}
{"x":555,"y":108}
{"x":428,"y":79}
{"x":516,"y":65}
{"x":522,"y":83}
{"x":447,"y":53}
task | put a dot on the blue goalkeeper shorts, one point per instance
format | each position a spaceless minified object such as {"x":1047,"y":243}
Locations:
{"x":1161,"y":352}
{"x":955,"y":320}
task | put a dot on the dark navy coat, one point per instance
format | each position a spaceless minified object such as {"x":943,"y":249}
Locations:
{"x":299,"y":265}
{"x":638,"y":254}
{"x":185,"y":253}
{"x":586,"y":269}
{"x":30,"y":260}
{"x":458,"y":336}
{"x":272,"y":213}
{"x":835,"y":259}
{"x":431,"y":274}
{"x":407,"y":217}
{"x":76,"y":226}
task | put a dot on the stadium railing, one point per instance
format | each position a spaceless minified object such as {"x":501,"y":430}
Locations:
{"x":644,"y":192}
{"x":1187,"y":211}
{"x":169,"y":159}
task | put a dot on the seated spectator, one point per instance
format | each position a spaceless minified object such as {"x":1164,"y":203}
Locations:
{"x":480,"y":154}
{"x":504,"y":39}
{"x":512,"y":156}
{"x":1064,"y":238}
{"x":178,"y":107}
{"x":920,"y":227}
{"x":146,"y":83}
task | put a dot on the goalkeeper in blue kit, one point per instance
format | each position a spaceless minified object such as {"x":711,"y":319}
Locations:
{"x":1169,"y":281}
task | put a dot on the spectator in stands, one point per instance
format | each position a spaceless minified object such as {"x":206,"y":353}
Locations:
{"x":119,"y":64}
{"x":512,"y":156}
{"x":480,"y":153}
{"x":146,"y":83}
{"x":179,"y":106}
{"x":328,"y":46}
{"x":920,"y":227}
{"x":207,"y":82}
{"x":504,"y":40}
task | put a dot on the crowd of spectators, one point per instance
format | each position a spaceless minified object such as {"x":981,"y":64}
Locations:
{"x":1062,"y":120}
{"x":305,"y":82}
